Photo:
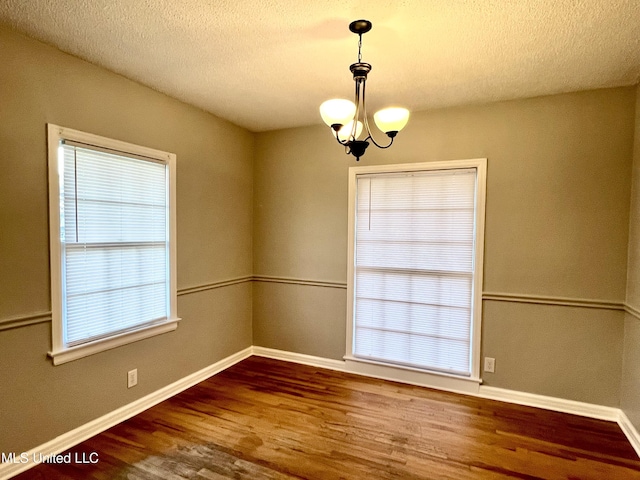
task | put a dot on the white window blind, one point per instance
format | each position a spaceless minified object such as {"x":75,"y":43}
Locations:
{"x":414,"y":268}
{"x":114,"y":239}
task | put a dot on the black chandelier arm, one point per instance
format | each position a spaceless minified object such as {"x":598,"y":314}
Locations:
{"x":345,"y":142}
{"x":377,"y":144}
{"x":373,"y":140}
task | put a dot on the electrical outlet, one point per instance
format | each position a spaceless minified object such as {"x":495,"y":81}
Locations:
{"x":132,"y":378}
{"x":489,"y":364}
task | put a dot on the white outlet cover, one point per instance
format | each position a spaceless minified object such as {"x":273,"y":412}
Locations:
{"x":132,"y":378}
{"x":489,"y":364}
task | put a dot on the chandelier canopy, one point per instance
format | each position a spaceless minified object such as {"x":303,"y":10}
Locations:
{"x":348,"y":119}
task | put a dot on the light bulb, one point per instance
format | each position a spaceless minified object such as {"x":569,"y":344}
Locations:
{"x":344,"y":133}
{"x":337,"y":111}
{"x":391,"y":119}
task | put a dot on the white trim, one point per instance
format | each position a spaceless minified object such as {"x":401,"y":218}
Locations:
{"x":351,"y":245}
{"x":366,"y":368}
{"x":60,"y":352}
{"x":172,"y":253}
{"x":478,"y":263}
{"x":301,"y":358}
{"x":630,"y":431}
{"x":88,"y":430}
{"x":555,"y":404}
{"x":411,"y":376}
{"x":583,"y":409}
{"x":91,"y":139}
{"x":480,"y":164}
{"x":70,"y":439}
{"x":400,"y":366}
{"x":54,"y":133}
{"x":73,"y":353}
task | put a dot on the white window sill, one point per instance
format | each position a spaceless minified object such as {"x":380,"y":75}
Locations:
{"x":413,"y":376}
{"x":74,"y":353}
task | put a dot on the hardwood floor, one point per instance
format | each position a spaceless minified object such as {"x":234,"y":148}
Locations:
{"x":266,"y":419}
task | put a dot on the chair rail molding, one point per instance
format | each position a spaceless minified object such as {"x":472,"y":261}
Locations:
{"x":25,"y":320}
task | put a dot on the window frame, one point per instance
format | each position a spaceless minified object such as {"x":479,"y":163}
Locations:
{"x":60,"y":353}
{"x":480,"y":164}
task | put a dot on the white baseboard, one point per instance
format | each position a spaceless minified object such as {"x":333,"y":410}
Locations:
{"x":373,"y":370}
{"x":301,"y":358}
{"x":492,"y":393}
{"x":582,"y":409}
{"x":630,"y":431}
{"x":556,"y":404}
{"x":412,"y":376}
{"x":88,"y":430}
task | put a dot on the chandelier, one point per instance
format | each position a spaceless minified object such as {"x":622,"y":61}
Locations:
{"x":347,"y":120}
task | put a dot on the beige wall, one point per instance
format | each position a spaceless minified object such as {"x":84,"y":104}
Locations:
{"x":39,"y":84}
{"x":630,"y":395}
{"x":572,"y":353}
{"x":275,"y":205}
{"x":557,"y":215}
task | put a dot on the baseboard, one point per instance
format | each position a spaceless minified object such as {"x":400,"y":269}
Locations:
{"x":492,"y":393}
{"x":412,"y":376}
{"x":562,"y":405}
{"x":369,"y":369}
{"x":630,"y":431}
{"x":301,"y":358}
{"x":70,"y":439}
{"x":556,"y":404}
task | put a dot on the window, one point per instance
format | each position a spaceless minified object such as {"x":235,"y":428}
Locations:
{"x":415,"y":265}
{"x":112,"y":221}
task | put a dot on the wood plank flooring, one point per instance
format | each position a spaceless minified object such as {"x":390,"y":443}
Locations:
{"x":266,"y":419}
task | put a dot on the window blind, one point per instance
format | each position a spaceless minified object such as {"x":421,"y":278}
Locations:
{"x":414,"y":266}
{"x":114,"y":236}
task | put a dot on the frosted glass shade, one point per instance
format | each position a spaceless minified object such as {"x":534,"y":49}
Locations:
{"x":391,"y":119}
{"x":337,"y":111}
{"x":344,"y":133}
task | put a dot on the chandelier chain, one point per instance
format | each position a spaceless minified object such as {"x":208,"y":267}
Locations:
{"x":359,"y":48}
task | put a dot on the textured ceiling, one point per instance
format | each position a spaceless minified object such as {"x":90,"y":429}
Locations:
{"x":268,"y":64}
